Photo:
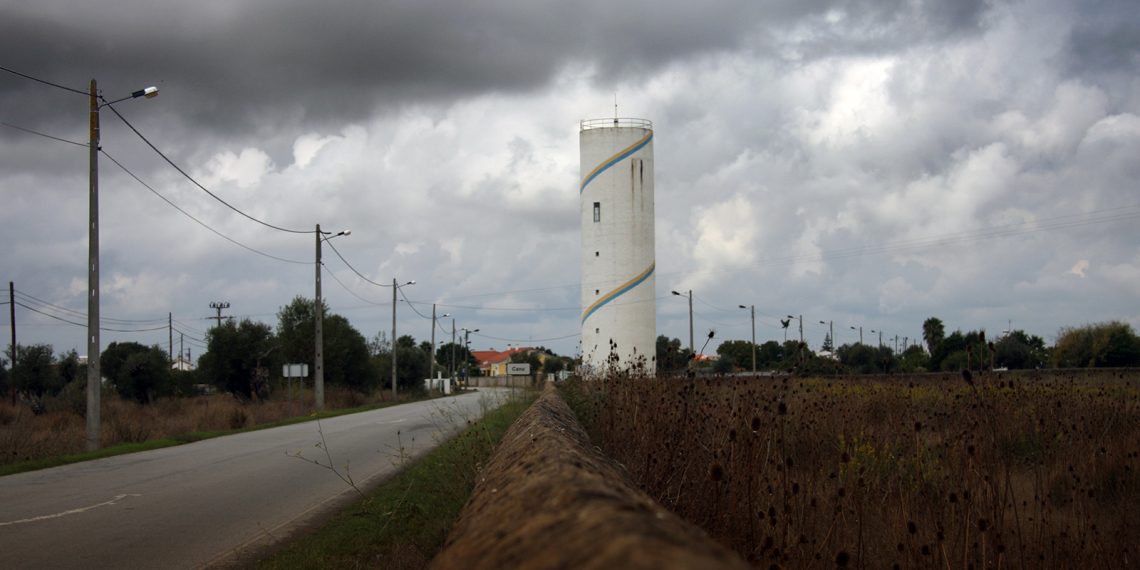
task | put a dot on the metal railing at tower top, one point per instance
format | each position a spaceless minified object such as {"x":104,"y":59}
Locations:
{"x":615,"y":122}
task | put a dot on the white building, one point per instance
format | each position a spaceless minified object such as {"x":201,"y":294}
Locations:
{"x":619,"y":309}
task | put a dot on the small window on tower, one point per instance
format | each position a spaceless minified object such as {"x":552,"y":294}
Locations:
{"x":597,"y":211}
{"x":597,"y":253}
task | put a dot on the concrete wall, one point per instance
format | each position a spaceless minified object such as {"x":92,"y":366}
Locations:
{"x":618,"y":250}
{"x":548,"y":499}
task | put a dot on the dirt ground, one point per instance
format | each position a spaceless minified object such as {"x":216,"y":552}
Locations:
{"x":549,"y":499}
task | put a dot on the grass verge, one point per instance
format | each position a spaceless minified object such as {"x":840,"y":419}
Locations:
{"x":403,"y":523}
{"x":125,"y":448}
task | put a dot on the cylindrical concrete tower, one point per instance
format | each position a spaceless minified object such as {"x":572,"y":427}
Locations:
{"x":619,"y":308}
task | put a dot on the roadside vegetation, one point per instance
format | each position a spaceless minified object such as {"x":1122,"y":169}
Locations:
{"x":949,"y":470}
{"x":144,"y":403}
{"x":404,"y":522}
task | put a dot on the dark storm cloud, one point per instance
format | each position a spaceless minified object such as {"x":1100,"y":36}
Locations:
{"x":233,"y":66}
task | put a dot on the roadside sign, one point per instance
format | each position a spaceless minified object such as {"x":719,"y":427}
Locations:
{"x":518,"y":369}
{"x":295,"y":370}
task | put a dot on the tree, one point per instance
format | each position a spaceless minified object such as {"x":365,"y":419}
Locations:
{"x":3,"y":376}
{"x":553,"y":365}
{"x":1013,"y":353}
{"x":33,"y":371}
{"x":827,"y":344}
{"x":462,"y":356}
{"x":1109,"y":344}
{"x":933,"y":331}
{"x":346,"y":356}
{"x":915,"y":359}
{"x":346,"y":351}
{"x":233,"y":355}
{"x":296,"y":330}
{"x":738,"y":351}
{"x":670,"y":356}
{"x":137,"y":372}
{"x":67,"y":364}
{"x":530,"y":357}
{"x":867,"y":359}
{"x":724,"y":365}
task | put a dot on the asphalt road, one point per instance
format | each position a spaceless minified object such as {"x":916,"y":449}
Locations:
{"x":213,"y":503}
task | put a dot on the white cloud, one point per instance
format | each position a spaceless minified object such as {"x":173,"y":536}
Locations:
{"x":1079,"y":269}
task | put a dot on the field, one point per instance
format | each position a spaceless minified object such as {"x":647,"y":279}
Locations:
{"x":62,"y":430}
{"x":999,"y":470}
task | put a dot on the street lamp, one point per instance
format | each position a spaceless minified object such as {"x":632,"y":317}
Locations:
{"x":94,"y":373}
{"x":395,"y":287}
{"x":431,"y":361}
{"x":860,"y":329}
{"x":318,"y":328}
{"x":831,"y":327}
{"x":753,"y":337}
{"x":467,"y":342}
{"x":692,"y":348}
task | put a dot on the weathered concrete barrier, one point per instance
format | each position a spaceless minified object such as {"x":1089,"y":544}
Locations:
{"x":548,"y":498}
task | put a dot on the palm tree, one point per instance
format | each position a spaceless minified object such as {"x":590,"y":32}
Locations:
{"x":933,"y":331}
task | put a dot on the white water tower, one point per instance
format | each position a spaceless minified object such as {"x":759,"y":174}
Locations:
{"x":619,"y":308}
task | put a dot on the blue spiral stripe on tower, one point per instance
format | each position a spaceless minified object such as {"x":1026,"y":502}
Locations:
{"x":618,"y":292}
{"x":615,"y":159}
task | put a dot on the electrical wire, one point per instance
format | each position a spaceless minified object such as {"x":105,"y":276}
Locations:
{"x":527,"y":340}
{"x":350,"y":292}
{"x":34,"y":310}
{"x":410,"y":303}
{"x":195,"y":182}
{"x":349,"y":265}
{"x":42,"y":134}
{"x":200,"y":222}
{"x":83,"y":315}
{"x":84,"y":93}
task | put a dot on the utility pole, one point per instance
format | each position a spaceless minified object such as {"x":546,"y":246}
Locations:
{"x":170,"y":331}
{"x":12,"y":311}
{"x":93,"y":372}
{"x":431,"y":361}
{"x":181,"y":347}
{"x":451,"y":367}
{"x":753,"y":337}
{"x":219,"y":306}
{"x":393,"y":339}
{"x":319,"y":346}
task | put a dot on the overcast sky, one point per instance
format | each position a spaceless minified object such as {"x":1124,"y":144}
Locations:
{"x":869,"y":163}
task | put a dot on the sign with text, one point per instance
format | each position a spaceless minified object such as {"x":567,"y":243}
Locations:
{"x":517,"y":369}
{"x":295,"y":370}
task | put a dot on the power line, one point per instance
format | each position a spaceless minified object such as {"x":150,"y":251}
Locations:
{"x":84,"y":93}
{"x":195,"y":182}
{"x":349,"y":265}
{"x":80,"y":314}
{"x":41,"y":134}
{"x":527,"y":340}
{"x":84,"y":325}
{"x":200,"y":222}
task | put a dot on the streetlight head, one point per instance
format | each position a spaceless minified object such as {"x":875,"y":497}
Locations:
{"x":852,"y":328}
{"x":445,"y":315}
{"x":149,"y":93}
{"x":790,"y":317}
{"x":743,"y":307}
{"x":412,"y":282}
{"x":676,"y":293}
{"x":823,"y":322}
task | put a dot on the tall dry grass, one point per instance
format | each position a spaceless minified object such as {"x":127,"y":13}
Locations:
{"x":1008,"y":471}
{"x":62,"y":430}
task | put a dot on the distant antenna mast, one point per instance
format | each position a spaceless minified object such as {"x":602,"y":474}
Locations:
{"x":615,"y":110}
